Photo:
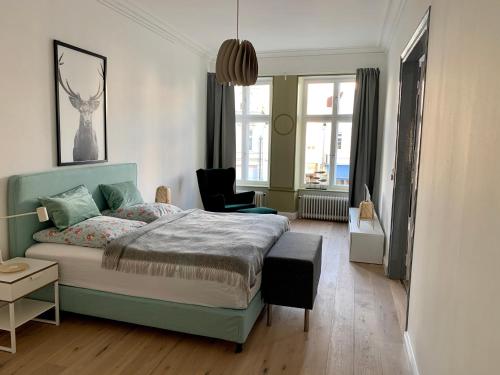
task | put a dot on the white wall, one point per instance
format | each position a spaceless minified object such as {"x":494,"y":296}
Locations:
{"x":156,"y":95}
{"x":455,"y":301}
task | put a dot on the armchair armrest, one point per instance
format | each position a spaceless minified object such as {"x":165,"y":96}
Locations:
{"x":242,"y":198}
{"x":215,"y":202}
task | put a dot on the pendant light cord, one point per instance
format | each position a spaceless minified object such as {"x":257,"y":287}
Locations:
{"x":237,"y":19}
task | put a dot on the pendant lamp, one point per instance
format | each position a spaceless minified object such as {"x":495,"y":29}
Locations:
{"x":236,"y":62}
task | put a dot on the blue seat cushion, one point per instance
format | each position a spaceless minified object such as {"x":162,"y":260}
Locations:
{"x":258,"y":210}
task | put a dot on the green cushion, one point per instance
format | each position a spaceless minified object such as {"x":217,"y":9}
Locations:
{"x":123,"y":194}
{"x":259,"y":210}
{"x":71,"y":207}
{"x":237,"y":207}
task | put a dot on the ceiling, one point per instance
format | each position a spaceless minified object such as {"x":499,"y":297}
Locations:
{"x":276,"y":25}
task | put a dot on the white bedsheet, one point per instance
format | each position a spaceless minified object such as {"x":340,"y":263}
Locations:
{"x":81,"y":267}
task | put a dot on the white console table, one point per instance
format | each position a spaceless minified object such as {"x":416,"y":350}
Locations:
{"x":366,"y":241}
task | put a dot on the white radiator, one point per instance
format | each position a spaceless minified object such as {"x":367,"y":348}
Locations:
{"x":324,"y":207}
{"x":260,"y":199}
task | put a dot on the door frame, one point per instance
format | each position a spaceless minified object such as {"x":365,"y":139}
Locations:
{"x":416,"y":166}
{"x":421,"y":32}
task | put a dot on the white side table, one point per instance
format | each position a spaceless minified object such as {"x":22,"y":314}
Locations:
{"x":366,"y":240}
{"x":13,"y":289}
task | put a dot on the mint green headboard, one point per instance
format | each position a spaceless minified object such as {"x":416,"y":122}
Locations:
{"x":24,"y":190}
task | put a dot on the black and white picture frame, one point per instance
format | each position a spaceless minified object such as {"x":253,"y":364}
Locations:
{"x":80,"y":81}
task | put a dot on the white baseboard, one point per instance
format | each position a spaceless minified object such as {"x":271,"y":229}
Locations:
{"x":290,"y":215}
{"x":411,"y":354}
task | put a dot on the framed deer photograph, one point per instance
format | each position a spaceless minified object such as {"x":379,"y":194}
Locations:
{"x":80,"y":81}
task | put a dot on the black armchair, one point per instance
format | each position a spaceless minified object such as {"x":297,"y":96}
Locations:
{"x":217,"y":191}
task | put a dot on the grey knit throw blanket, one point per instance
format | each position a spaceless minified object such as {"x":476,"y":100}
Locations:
{"x":199,"y":245}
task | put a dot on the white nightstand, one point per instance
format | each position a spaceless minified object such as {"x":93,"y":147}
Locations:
{"x":13,"y":288}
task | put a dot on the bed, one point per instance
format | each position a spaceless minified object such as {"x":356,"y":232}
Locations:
{"x":81,"y":267}
{"x":231,"y":317}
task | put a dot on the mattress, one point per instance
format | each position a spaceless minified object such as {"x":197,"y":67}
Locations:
{"x":81,"y":267}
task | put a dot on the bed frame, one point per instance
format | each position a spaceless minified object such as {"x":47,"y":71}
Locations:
{"x":23,"y":191}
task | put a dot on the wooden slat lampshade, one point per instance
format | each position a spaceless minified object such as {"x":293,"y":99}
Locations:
{"x":236,"y":63}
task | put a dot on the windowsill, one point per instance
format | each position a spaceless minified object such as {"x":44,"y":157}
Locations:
{"x":249,"y":185}
{"x":329,"y":190}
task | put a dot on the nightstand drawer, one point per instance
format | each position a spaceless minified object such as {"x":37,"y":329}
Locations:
{"x":20,"y":288}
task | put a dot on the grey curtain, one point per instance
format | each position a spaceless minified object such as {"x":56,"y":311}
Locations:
{"x":221,"y":125}
{"x":364,"y":134}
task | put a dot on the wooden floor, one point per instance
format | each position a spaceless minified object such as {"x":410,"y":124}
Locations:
{"x":355,"y":329}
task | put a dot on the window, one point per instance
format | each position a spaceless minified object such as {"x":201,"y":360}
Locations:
{"x":326,"y":122}
{"x":253,"y":119}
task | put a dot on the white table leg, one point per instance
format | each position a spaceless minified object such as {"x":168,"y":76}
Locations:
{"x":56,"y":307}
{"x":56,"y":301}
{"x":12,"y":328}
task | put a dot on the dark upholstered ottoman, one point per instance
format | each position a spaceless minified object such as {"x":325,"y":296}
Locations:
{"x":258,"y":210}
{"x":291,"y":273}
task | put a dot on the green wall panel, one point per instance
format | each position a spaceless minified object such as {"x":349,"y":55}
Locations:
{"x":282,"y":200}
{"x":282,"y":194}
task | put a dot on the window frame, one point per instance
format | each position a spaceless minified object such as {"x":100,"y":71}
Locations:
{"x":245,"y":118}
{"x":333,"y":118}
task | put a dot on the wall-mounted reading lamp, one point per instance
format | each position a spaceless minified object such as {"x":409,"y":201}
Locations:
{"x":42,"y":214}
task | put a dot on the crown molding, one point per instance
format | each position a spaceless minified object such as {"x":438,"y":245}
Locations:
{"x":314,"y":52}
{"x":391,"y":22}
{"x":318,"y":52}
{"x":140,"y":16}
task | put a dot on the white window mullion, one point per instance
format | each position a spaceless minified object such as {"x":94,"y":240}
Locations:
{"x":344,"y":118}
{"x":247,"y":127}
{"x":244,"y":136}
{"x":333,"y":140}
{"x":239,"y":119}
{"x":304,"y":120}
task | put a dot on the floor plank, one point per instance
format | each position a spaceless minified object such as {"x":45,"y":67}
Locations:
{"x":356,"y":327}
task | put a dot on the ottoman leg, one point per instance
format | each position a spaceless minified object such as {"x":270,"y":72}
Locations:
{"x":269,"y":314}
{"x":306,"y":320}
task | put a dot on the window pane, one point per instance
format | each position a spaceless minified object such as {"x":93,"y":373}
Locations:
{"x":343,"y":153}
{"x":317,"y":156}
{"x":259,"y":99}
{"x":258,"y":151}
{"x":239,"y":147}
{"x":238,"y":99}
{"x":319,"y":98}
{"x":346,"y":98}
